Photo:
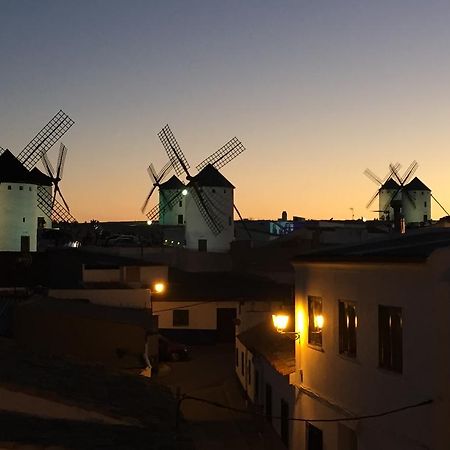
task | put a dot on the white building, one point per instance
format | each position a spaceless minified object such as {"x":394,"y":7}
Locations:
{"x":18,"y":203}
{"x":373,"y":320}
{"x":218,"y":193}
{"x":174,"y":214}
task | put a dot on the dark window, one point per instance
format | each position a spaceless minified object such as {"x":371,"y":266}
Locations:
{"x":180,"y":219}
{"x":314,"y":315}
{"x":390,"y":338}
{"x":180,"y":203}
{"x":180,"y":318}
{"x":229,"y":220}
{"x":348,"y":323}
{"x":425,"y":217}
{"x":256,"y":386}
{"x":132,"y":274}
{"x":213,"y":191}
{"x":23,"y":219}
{"x":346,"y":438}
{"x":237,"y":357}
{"x":249,"y":372}
{"x":29,"y":189}
{"x":269,"y":402}
{"x":24,"y":243}
{"x":9,"y":188}
{"x":425,"y":204}
{"x":20,"y":188}
{"x":314,"y":437}
{"x":242,"y":364}
{"x":285,"y":423}
{"x":202,"y":245}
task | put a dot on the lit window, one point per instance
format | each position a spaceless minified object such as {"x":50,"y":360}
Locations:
{"x":390,"y":349}
{"x":348,"y":323}
{"x":315,"y":320}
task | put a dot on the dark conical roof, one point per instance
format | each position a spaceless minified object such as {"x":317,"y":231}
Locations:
{"x":210,"y":176}
{"x":390,"y":184}
{"x":12,"y":170}
{"x":416,"y":185}
{"x":40,"y":177}
{"x":172,"y":183}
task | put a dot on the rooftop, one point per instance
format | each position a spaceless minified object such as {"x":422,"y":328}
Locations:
{"x":277,"y":349}
{"x":211,"y":177}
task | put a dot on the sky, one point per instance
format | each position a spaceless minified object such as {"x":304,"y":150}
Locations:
{"x":316,"y":90}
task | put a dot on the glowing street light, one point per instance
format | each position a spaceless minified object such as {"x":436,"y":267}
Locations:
{"x":280,"y":321}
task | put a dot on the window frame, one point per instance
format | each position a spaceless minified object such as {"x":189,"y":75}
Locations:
{"x":390,"y":338}
{"x":315,"y":307}
{"x":345,"y":330}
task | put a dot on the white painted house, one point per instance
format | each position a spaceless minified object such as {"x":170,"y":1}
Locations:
{"x":18,"y":202}
{"x":373,"y":320}
{"x":218,"y":193}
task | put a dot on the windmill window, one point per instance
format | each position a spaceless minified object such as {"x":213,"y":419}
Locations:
{"x":180,"y":219}
{"x":180,"y":204}
{"x":229,"y":220}
{"x":425,"y":204}
{"x":9,"y":188}
{"x":29,"y":189}
{"x":213,"y":191}
{"x":23,"y":219}
{"x":20,"y":188}
{"x":224,"y":191}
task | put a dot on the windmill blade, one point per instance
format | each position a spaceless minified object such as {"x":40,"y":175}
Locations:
{"x":224,"y":155}
{"x":57,"y":213}
{"x":48,"y":166}
{"x":369,"y":174}
{"x":204,"y":205}
{"x":152,"y":172}
{"x":372,"y":199}
{"x":144,"y":206}
{"x":58,"y":125}
{"x":61,"y":161}
{"x":392,"y":167}
{"x":173,"y":150}
{"x":243,"y":222}
{"x":58,"y":190}
{"x":394,"y":172}
{"x":410,"y":171}
{"x":164,"y":171}
{"x":436,"y":200}
{"x":156,"y":211}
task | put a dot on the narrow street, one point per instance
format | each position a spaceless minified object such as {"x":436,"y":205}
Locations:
{"x":209,"y":374}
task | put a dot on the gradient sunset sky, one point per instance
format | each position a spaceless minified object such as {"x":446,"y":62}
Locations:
{"x":316,"y":90}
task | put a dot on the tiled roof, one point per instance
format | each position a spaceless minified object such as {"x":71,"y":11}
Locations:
{"x":211,"y":177}
{"x":276,"y":348}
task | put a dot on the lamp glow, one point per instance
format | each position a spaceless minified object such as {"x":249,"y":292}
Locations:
{"x":280,"y":321}
{"x":184,"y":192}
{"x":159,"y":288}
{"x":319,"y":320}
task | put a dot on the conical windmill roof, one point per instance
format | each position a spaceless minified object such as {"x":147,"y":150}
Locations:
{"x":40,"y":177}
{"x":12,"y":170}
{"x":172,"y":183}
{"x":390,"y":184}
{"x":416,"y":185}
{"x":211,"y":177}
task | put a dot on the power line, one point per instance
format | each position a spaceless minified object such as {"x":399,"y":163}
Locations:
{"x":299,"y":419}
{"x":182,"y":306}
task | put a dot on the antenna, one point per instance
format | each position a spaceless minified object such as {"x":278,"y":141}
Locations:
{"x":58,"y":125}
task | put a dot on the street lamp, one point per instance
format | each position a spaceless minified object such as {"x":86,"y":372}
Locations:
{"x":159,"y":287}
{"x":280,"y":321}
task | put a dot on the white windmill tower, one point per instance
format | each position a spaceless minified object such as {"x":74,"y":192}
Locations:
{"x":25,"y":192}
{"x":210,"y":196}
{"x":170,"y":208}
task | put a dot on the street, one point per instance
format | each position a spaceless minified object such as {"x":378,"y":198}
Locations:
{"x":209,"y":374}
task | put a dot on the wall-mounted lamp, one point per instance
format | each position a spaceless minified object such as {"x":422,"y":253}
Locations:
{"x":280,"y":321}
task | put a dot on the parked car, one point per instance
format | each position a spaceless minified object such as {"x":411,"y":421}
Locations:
{"x":170,"y":350}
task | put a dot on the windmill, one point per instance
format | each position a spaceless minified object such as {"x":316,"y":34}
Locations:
{"x":35,"y":150}
{"x":209,"y":215}
{"x":157,"y":179}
